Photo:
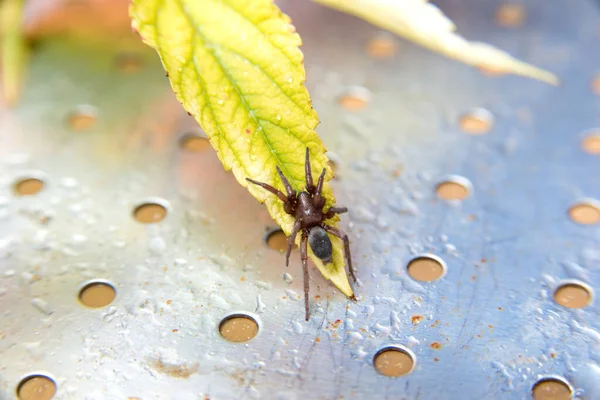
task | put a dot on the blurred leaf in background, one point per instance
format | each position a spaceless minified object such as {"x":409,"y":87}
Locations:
{"x":423,"y":23}
{"x":13,"y":49}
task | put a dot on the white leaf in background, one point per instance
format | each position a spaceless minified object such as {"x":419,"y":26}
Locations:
{"x":426,"y":25}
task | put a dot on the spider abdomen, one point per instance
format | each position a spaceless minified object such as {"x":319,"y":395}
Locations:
{"x":320,"y":244}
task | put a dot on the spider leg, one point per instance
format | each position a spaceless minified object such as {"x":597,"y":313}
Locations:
{"x":304,"y":256}
{"x":310,"y":187}
{"x":286,"y":183}
{"x":318,"y":200}
{"x":335,"y":210}
{"x":339,"y":233}
{"x":291,"y":241}
{"x":271,"y":189}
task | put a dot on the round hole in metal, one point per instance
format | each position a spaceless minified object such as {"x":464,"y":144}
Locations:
{"x":454,"y":188}
{"x":510,"y":15}
{"x":355,"y":99}
{"x":150,"y":212}
{"x":238,"y":328}
{"x":28,"y":186}
{"x":128,"y":63}
{"x":478,"y":121}
{"x":82,"y":118}
{"x":591,"y":143}
{"x":573,"y":294}
{"x":585,"y":212}
{"x":394,"y":361}
{"x":277,"y":240}
{"x":97,"y":294}
{"x":36,"y":387}
{"x":596,"y":84}
{"x":552,"y":388}
{"x":491,"y":72}
{"x":382,"y":45}
{"x":426,"y":268}
{"x":194,"y":143}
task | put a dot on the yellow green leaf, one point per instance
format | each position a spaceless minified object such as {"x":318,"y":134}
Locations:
{"x":236,"y":67}
{"x":424,"y":24}
{"x":13,"y":49}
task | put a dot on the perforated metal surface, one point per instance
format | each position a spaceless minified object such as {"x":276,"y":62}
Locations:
{"x":506,"y":246}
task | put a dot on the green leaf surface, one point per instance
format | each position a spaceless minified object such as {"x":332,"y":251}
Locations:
{"x":236,"y":67}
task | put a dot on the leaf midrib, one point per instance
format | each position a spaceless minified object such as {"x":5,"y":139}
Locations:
{"x":233,"y":83}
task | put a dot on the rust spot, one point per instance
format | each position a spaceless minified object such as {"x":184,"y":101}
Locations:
{"x":243,"y":279}
{"x":317,"y":340}
{"x":175,"y":330}
{"x":436,"y":323}
{"x":247,"y":130}
{"x":483,"y":260}
{"x":474,"y":277}
{"x":553,"y":355}
{"x":336,"y":324}
{"x":416,"y":319}
{"x":436,"y":359}
{"x":490,"y":326}
{"x":500,"y":308}
{"x":181,"y":371}
{"x":435,"y":346}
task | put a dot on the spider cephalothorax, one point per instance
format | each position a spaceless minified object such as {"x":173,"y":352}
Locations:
{"x":307,"y":208}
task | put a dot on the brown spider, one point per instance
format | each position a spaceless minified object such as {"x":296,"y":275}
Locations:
{"x":307,"y":208}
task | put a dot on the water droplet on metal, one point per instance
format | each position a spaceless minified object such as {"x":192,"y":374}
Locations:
{"x":42,"y":305}
{"x":260,"y":306}
{"x":297,"y":327}
{"x":157,"y":245}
